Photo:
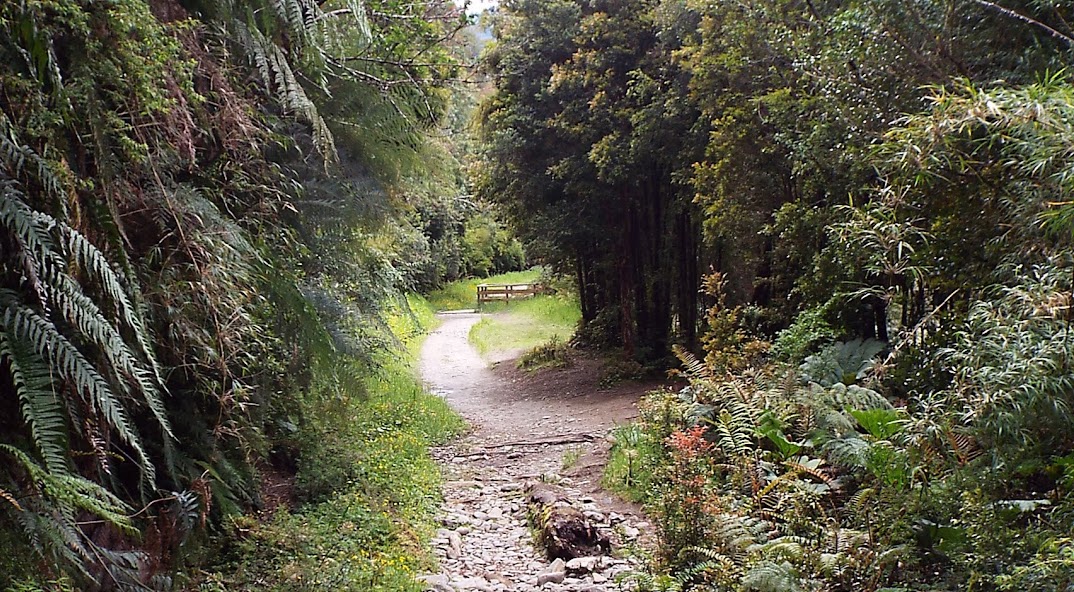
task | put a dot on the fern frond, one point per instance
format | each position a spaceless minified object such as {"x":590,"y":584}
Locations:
{"x":39,"y":403}
{"x":851,"y":451}
{"x":25,"y":324}
{"x":810,"y":467}
{"x":692,"y":367}
{"x":736,"y":534}
{"x":82,"y":312}
{"x":964,"y":446}
{"x":30,"y":228}
{"x":50,"y":517}
{"x":89,"y":257}
{"x":772,"y":577}
{"x":275,"y":69}
{"x":6,"y":496}
{"x":14,"y":155}
{"x":789,"y":548}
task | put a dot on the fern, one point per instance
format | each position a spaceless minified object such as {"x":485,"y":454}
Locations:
{"x":315,"y":37}
{"x":40,"y":404}
{"x":14,"y":156}
{"x":49,"y":514}
{"x":43,"y":338}
{"x":769,"y":576}
{"x":90,"y":257}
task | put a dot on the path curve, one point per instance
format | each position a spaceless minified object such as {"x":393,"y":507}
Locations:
{"x":484,"y":544}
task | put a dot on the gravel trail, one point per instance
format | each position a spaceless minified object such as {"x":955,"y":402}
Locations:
{"x":523,"y":427}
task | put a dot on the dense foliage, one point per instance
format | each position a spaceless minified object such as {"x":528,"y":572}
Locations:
{"x":880,"y":192}
{"x":206,"y":210}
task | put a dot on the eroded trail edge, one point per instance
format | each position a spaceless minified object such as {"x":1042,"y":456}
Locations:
{"x":524,"y":428}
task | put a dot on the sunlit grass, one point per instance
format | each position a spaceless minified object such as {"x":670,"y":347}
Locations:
{"x":463,"y":294}
{"x":525,"y":324}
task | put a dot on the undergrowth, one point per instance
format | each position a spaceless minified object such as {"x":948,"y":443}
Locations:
{"x":809,"y":478}
{"x":369,"y":487}
{"x":633,"y":458}
{"x":554,"y":354}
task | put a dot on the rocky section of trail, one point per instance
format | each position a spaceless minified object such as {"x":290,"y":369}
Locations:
{"x":524,"y":427}
{"x":486,"y":545}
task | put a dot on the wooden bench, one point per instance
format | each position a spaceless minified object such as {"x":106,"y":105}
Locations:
{"x":505,"y":292}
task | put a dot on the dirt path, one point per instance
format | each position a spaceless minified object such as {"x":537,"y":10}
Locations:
{"x":523,"y":428}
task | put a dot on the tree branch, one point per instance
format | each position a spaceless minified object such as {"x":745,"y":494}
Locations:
{"x":1069,"y":41}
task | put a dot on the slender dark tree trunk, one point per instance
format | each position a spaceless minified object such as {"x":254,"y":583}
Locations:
{"x":583,"y":289}
{"x":687,"y":281}
{"x":880,"y":318}
{"x":627,"y":280}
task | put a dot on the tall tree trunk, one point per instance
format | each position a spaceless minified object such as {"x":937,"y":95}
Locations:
{"x":687,"y":280}
{"x":627,"y":291}
{"x":583,"y":289}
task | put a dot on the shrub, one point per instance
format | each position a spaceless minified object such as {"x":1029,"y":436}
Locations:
{"x":554,"y":354}
{"x":808,"y":331}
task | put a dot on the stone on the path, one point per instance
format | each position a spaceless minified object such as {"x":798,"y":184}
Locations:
{"x":454,"y":549}
{"x":554,"y":574}
{"x":475,"y":584}
{"x":436,"y":583}
{"x":583,"y":565}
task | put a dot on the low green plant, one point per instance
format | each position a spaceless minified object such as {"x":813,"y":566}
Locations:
{"x":554,"y":354}
{"x":571,"y":456}
{"x":842,"y":363}
{"x":808,"y":331}
{"x":618,"y":369}
{"x":629,"y":471}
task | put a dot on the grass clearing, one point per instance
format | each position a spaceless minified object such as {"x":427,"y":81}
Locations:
{"x":525,"y":324}
{"x":372,"y":488}
{"x":463,"y":294}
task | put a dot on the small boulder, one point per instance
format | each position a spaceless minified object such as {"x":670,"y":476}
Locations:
{"x":583,"y":565}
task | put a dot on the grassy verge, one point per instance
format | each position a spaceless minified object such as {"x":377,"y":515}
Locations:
{"x":525,"y":324}
{"x":463,"y":294}
{"x":629,"y":471}
{"x":410,"y":324}
{"x":372,"y":487}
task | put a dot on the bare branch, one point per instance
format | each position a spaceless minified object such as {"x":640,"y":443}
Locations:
{"x":1069,"y":41}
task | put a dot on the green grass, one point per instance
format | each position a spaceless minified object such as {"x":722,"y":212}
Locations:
{"x":412,"y":323}
{"x":463,"y":294}
{"x":373,"y":488}
{"x":525,"y":324}
{"x":553,"y":354}
{"x":629,"y":471}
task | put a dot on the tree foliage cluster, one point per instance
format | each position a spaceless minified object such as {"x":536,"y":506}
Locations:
{"x":205,"y":207}
{"x":859,"y":213}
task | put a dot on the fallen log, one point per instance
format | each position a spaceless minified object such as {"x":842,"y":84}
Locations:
{"x":563,"y":532}
{"x":564,"y":439}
